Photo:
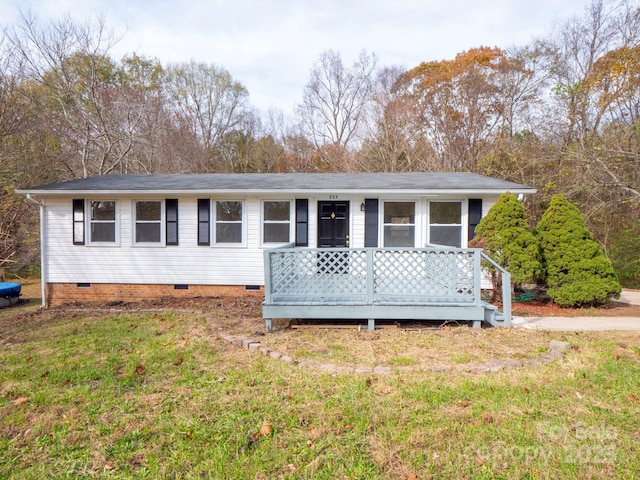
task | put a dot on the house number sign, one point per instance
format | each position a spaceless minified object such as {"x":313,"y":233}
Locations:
{"x":333,"y":197}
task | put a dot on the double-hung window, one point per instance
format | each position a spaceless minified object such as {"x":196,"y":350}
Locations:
{"x":276,"y":221}
{"x":156,"y":222}
{"x":148,"y":219}
{"x":228,"y":222}
{"x":445,"y":223}
{"x":102,"y":221}
{"x":399,"y":225}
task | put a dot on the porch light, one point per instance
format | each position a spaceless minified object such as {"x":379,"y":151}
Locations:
{"x":362,"y":207}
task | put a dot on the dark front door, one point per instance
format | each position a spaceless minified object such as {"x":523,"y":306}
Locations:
{"x":333,"y":224}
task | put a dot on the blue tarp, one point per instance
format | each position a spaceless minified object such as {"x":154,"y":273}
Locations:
{"x":10,"y":290}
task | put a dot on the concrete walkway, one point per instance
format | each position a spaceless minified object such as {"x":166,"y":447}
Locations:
{"x":578,"y":323}
{"x":630,"y":296}
{"x":586,"y":323}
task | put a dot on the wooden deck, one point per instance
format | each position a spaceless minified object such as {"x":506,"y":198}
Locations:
{"x":438,"y":283}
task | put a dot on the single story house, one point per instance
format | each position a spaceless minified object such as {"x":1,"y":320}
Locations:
{"x":137,"y":237}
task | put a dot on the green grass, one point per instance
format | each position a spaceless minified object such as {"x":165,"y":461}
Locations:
{"x":159,"y":396}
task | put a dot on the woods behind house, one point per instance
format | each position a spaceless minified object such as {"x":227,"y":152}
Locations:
{"x":561,"y":114}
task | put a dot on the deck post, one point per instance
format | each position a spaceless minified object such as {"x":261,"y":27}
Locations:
{"x":370,"y":274}
{"x":267,"y":277}
{"x":477,"y":276}
{"x":371,"y":324}
{"x":267,"y":287}
{"x":506,"y":297}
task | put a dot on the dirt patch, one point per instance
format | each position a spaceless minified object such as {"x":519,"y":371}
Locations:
{"x":251,"y":306}
{"x":243,"y":315}
{"x":397,"y":347}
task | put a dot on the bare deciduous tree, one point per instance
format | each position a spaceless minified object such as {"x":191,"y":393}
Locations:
{"x":207,"y":101}
{"x":335,"y":99}
{"x":577,"y":46}
{"x":70,"y":61}
{"x":393,"y":142}
{"x":23,"y":161}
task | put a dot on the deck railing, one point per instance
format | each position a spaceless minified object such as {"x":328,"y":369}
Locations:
{"x":429,"y":283}
{"x":505,"y":284}
{"x":370,"y":275}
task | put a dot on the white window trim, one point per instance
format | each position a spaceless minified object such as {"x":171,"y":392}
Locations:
{"x":134,"y":220}
{"x":214,"y":232}
{"x":463,"y":219}
{"x":416,"y":219}
{"x":89,"y":222}
{"x":291,"y":222}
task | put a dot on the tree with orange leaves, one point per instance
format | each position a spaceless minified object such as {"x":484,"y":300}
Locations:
{"x":462,"y":104}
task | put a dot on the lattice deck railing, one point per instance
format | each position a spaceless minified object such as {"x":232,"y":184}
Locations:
{"x":418,"y":276}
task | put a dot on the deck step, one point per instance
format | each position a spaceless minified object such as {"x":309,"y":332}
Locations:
{"x":495,"y":317}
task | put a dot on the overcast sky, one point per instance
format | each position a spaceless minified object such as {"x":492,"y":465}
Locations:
{"x":270,"y":46}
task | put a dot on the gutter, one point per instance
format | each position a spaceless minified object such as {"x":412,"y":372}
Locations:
{"x":43,"y":268}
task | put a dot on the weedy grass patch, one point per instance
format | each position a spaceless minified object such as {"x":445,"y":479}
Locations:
{"x":159,"y":395}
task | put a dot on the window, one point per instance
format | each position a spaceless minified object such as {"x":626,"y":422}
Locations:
{"x":78,"y":222}
{"x":204,"y":215}
{"x":149,"y":216}
{"x":445,"y":223}
{"x":148,"y":222}
{"x":228,"y":222}
{"x":103,"y":221}
{"x":276,"y":221}
{"x":399,"y":224}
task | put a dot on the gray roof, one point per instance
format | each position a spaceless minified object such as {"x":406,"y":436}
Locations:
{"x":416,"y":182}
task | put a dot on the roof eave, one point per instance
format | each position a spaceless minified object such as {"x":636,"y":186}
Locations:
{"x":365,"y":191}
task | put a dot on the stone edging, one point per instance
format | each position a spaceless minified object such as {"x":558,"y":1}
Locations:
{"x":556,"y":351}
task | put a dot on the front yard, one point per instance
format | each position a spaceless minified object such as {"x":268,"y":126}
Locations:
{"x":158,"y":394}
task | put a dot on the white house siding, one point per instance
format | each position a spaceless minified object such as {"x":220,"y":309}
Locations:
{"x":186,"y":263}
{"x":189,"y":263}
{"x":124,"y":262}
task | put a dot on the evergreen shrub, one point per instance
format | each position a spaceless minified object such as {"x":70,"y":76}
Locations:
{"x":506,"y":237}
{"x":577,"y":271}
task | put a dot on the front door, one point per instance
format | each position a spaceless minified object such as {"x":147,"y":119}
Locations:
{"x":333,"y":224}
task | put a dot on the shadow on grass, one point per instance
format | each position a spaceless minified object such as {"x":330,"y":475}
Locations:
{"x":24,"y":305}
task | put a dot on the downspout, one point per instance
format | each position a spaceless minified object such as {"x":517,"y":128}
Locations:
{"x":43,"y":268}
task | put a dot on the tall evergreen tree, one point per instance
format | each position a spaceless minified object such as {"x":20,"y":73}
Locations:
{"x":506,"y":237}
{"x":577,"y":271}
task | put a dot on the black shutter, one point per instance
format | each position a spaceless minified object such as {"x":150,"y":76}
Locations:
{"x":204,"y":218}
{"x":371,"y":222}
{"x":475,"y":215}
{"x":171,"y":221}
{"x":302,"y":222}
{"x":78,"y":222}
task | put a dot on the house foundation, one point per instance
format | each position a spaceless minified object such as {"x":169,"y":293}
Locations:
{"x":65,"y":293}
